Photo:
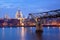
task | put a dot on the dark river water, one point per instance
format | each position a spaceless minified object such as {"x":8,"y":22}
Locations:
{"x":28,"y":33}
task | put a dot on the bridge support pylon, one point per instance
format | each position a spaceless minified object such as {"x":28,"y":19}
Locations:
{"x":39,"y":27}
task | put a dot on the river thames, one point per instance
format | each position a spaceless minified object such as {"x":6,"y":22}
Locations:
{"x":28,"y":33}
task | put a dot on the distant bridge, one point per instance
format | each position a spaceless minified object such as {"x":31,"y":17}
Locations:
{"x":40,"y":17}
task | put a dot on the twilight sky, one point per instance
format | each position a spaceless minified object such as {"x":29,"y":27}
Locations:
{"x":26,"y":6}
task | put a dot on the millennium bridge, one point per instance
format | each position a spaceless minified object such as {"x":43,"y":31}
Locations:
{"x":40,"y":18}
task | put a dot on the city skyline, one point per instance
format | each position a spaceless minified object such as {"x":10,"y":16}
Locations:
{"x":26,"y":6}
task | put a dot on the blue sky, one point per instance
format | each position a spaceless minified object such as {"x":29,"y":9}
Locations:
{"x":26,"y":6}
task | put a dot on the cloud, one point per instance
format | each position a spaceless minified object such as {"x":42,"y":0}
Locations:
{"x":7,"y":5}
{"x":10,"y":3}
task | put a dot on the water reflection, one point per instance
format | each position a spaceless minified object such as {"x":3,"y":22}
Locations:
{"x":48,"y":27}
{"x":3,"y":34}
{"x":18,"y":31}
{"x":53,"y":27}
{"x":22,"y":33}
{"x":39,"y":36}
{"x":59,"y":28}
{"x":10,"y":27}
{"x":28,"y":33}
{"x":3,"y":28}
{"x":10,"y":31}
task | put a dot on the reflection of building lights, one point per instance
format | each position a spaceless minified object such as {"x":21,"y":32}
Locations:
{"x":59,"y":27}
{"x":10,"y":27}
{"x":3,"y":34}
{"x":18,"y":31}
{"x":48,"y":27}
{"x":31,"y":27}
{"x":22,"y":33}
{"x":17,"y":27}
{"x":3,"y":28}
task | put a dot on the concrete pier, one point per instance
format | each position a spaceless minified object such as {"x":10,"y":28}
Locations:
{"x":39,"y":27}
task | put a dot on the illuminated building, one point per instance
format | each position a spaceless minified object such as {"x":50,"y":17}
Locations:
{"x":19,"y":16}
